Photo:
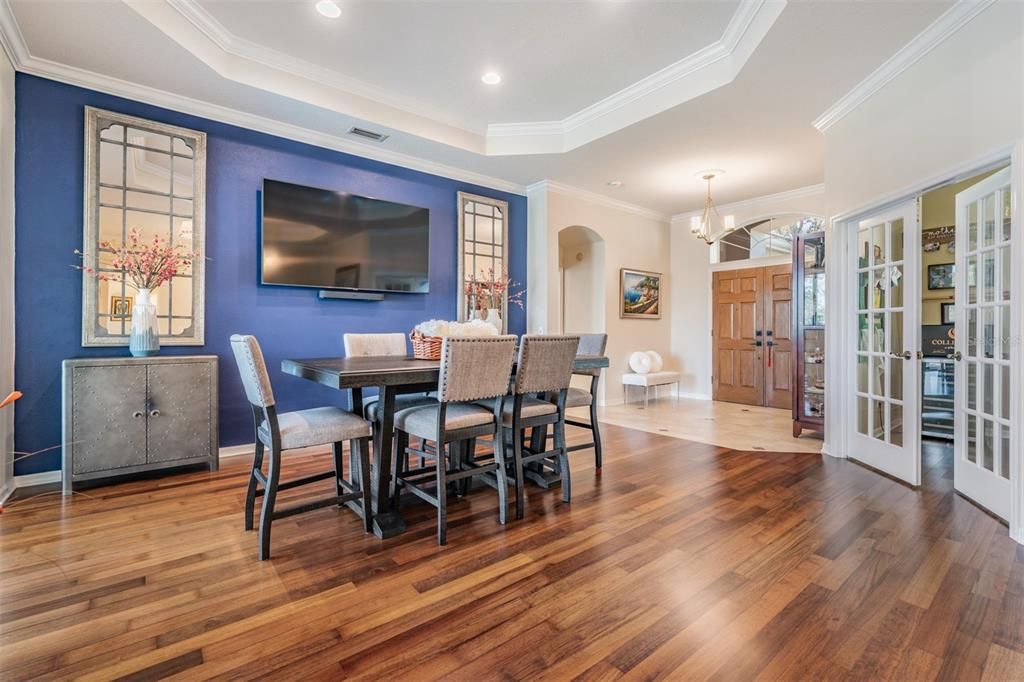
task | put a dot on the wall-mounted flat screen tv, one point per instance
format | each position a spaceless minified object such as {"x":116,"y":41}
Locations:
{"x":335,"y":240}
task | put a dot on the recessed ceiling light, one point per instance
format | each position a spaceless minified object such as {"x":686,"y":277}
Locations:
{"x":615,"y":183}
{"x":491,"y":78}
{"x":329,"y":9}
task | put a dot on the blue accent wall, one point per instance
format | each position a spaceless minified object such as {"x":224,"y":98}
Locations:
{"x":289,"y":322}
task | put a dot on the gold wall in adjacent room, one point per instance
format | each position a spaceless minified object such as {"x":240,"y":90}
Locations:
{"x":938,"y":209}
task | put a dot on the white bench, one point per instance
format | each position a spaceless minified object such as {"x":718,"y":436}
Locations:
{"x":648,"y":380}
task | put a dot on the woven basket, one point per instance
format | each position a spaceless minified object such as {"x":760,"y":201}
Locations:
{"x":425,"y":347}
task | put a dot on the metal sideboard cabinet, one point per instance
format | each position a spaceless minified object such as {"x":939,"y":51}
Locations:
{"x":129,"y":415}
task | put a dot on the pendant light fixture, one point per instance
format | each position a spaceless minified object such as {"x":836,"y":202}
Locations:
{"x":711,"y":226}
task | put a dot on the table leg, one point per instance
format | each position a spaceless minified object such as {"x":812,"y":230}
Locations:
{"x":386,"y":521}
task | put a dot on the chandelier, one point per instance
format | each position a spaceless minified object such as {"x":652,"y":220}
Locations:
{"x":711,"y":226}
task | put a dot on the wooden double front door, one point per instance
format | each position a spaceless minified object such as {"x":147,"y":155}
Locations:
{"x":752,"y":332}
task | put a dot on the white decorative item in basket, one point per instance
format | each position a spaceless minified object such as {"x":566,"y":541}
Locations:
{"x":426,"y":336}
{"x":472,"y":328}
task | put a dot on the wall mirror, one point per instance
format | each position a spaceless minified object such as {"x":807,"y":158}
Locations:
{"x":483,"y":254}
{"x":149,"y":177}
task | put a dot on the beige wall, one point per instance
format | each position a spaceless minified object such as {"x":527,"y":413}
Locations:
{"x":581,"y":263}
{"x":6,"y":269}
{"x":630,"y":240}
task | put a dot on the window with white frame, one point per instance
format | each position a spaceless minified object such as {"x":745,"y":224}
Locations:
{"x":766,"y":238}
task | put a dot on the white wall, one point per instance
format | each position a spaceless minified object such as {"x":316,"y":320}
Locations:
{"x":959,"y":102}
{"x":690,"y":284}
{"x":631,"y":239}
{"x":6,"y":269}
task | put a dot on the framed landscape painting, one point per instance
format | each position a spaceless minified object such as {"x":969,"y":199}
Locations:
{"x":639,"y":294}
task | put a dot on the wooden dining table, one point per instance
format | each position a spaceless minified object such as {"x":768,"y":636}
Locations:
{"x":391,"y":376}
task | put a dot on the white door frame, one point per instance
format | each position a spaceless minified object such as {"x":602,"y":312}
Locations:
{"x":839,"y":338}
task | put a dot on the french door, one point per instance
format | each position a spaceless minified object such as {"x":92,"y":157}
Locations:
{"x":983,"y":436}
{"x":885,"y":378}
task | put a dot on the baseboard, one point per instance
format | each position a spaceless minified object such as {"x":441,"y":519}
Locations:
{"x":246,"y":449}
{"x":42,"y":478}
{"x":236,"y":450}
{"x":5,"y":492}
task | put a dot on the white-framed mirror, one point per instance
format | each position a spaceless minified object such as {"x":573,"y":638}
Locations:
{"x":150,"y":177}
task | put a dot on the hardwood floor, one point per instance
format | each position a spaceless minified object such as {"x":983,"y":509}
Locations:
{"x":680,"y":560}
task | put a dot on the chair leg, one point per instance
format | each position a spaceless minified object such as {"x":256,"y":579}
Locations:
{"x":362,"y":445}
{"x":597,"y":434}
{"x":468,"y":452}
{"x":442,"y":495}
{"x":269,"y":498}
{"x":354,"y":465}
{"x":517,"y":469}
{"x":647,"y":393}
{"x":338,"y":450}
{"x":399,"y":465}
{"x":563,"y":460}
{"x":502,"y":476}
{"x":250,"y":494}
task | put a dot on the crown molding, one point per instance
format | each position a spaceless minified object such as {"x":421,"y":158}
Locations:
{"x":951,"y":21}
{"x":735,"y":206}
{"x":243,"y":61}
{"x":707,"y":69}
{"x":555,"y":187}
{"x":15,"y":47}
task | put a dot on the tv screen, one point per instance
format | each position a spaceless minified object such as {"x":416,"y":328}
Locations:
{"x":334,"y":240}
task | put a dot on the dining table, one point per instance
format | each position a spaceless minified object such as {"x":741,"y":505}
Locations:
{"x":391,"y":376}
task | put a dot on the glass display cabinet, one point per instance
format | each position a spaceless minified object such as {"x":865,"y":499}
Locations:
{"x":809,"y":332}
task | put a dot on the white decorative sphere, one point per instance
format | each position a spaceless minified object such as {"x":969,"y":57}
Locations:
{"x":656,"y":362}
{"x":640,"y":362}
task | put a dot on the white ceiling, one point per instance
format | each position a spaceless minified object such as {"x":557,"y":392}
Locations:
{"x":407,"y":66}
{"x":555,"y":58}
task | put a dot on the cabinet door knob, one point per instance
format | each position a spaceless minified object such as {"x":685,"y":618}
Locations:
{"x":137,"y":414}
{"x":154,"y":413}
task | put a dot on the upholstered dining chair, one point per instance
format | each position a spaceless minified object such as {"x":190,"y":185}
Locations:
{"x":472,"y":369}
{"x":590,"y":344}
{"x":277,"y":433}
{"x":544,"y":367}
{"x":391,"y":345}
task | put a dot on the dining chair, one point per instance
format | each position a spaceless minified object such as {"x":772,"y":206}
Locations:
{"x":590,"y":345}
{"x":390,"y":345}
{"x":544,"y":367}
{"x":472,"y":369}
{"x":278,"y":433}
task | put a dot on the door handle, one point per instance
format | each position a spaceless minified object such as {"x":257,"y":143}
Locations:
{"x":958,"y":356}
{"x":154,"y":413}
{"x":906,"y":355}
{"x":137,"y":414}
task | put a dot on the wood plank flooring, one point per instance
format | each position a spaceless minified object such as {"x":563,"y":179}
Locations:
{"x":680,"y":560}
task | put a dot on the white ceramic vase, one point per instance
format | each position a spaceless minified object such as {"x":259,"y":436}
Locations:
{"x":144,"y":340}
{"x":494,"y":318}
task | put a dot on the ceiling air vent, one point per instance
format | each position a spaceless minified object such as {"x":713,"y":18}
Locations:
{"x":368,"y":134}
